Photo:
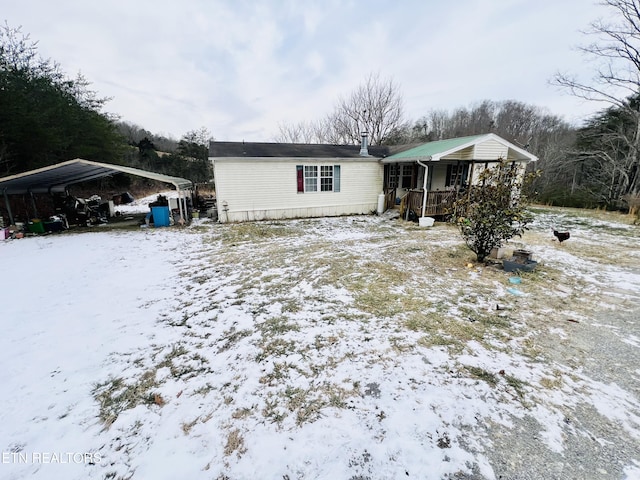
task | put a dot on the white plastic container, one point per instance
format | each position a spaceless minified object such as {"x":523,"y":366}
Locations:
{"x":380,"y":204}
{"x":426,"y":221}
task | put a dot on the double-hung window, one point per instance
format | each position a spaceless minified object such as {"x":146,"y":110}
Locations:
{"x":326,"y":178}
{"x":310,"y":178}
{"x":394,"y":170}
{"x":400,"y":176}
{"x":318,"y":178}
{"x":407,"y":176}
{"x":455,"y":175}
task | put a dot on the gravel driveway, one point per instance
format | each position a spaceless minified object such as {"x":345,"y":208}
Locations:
{"x":599,"y":350}
{"x":595,"y":447}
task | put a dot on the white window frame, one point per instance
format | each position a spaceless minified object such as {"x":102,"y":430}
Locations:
{"x":310,"y":178}
{"x":394,"y":179}
{"x":316,"y":178}
{"x":398,"y":175}
{"x":457,"y":171}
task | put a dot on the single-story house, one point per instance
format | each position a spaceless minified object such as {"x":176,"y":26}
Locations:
{"x":259,"y":181}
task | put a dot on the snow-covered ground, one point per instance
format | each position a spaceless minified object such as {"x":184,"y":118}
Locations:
{"x":347,"y":348}
{"x":141,"y":205}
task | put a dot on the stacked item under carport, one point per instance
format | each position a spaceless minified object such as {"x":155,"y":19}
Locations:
{"x":4,"y":231}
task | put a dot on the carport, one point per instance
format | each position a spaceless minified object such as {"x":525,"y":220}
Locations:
{"x":56,"y":178}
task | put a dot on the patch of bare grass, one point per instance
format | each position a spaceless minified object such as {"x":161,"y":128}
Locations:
{"x":231,"y":338}
{"x":256,"y":232}
{"x":307,"y":404}
{"x":187,"y":426}
{"x":400,"y":344}
{"x":517,"y":384}
{"x":281,"y":372}
{"x":277,"y":326}
{"x":276,"y":348}
{"x":115,"y":396}
{"x":553,"y":381}
{"x":482,"y":374}
{"x":378,"y":301}
{"x":235,"y":443}
{"x":457,"y":331}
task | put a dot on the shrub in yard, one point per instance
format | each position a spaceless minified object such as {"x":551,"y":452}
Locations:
{"x":492,"y":211}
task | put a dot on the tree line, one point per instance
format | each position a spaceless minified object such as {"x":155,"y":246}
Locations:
{"x":592,"y":165}
{"x":47,"y":117}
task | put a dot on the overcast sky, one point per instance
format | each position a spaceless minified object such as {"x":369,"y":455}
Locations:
{"x":241,"y":67}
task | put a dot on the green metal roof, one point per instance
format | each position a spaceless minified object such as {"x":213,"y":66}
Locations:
{"x":430,"y":149}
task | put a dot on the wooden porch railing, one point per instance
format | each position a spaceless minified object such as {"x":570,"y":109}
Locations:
{"x":438,"y":203}
{"x":389,"y":198}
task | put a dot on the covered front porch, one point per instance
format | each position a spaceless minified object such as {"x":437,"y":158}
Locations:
{"x":427,"y":180}
{"x":405,"y":182}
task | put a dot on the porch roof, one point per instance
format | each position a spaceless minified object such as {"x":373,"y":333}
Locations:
{"x":435,"y":151}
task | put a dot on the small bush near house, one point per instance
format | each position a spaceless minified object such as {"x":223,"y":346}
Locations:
{"x":493,"y":211}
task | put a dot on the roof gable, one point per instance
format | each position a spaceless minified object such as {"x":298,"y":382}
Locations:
{"x":433,"y":148}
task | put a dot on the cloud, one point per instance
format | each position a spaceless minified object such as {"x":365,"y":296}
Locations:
{"x":240,"y":67}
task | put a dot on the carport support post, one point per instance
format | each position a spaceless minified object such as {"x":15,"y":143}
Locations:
{"x":180,"y":206}
{"x":33,"y":204}
{"x":8,"y":205}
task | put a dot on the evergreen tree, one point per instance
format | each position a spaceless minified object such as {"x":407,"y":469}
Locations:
{"x":46,"y":117}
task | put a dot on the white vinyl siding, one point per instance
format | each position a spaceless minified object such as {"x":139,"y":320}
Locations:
{"x":488,"y":150}
{"x":258,"y":189}
{"x":491,"y":150}
{"x":438,"y":177}
{"x":466,"y":154}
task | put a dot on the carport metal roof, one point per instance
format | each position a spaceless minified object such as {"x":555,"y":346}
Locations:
{"x":56,"y":178}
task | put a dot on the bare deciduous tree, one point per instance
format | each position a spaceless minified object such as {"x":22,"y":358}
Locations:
{"x":617,"y":84}
{"x":301,"y":132}
{"x":375,"y":106}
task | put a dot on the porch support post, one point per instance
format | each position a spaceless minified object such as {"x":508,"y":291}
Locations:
{"x":470,"y":182}
{"x":398,"y":175}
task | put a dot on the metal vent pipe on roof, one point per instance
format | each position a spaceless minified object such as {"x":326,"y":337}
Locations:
{"x":363,"y":146}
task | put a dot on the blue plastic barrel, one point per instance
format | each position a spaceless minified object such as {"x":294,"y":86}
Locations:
{"x":160,"y":216}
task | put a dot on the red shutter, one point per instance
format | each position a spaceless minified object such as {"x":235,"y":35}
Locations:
{"x":300,"y":172}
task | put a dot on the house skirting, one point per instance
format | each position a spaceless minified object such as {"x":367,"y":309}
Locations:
{"x":300,"y":212}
